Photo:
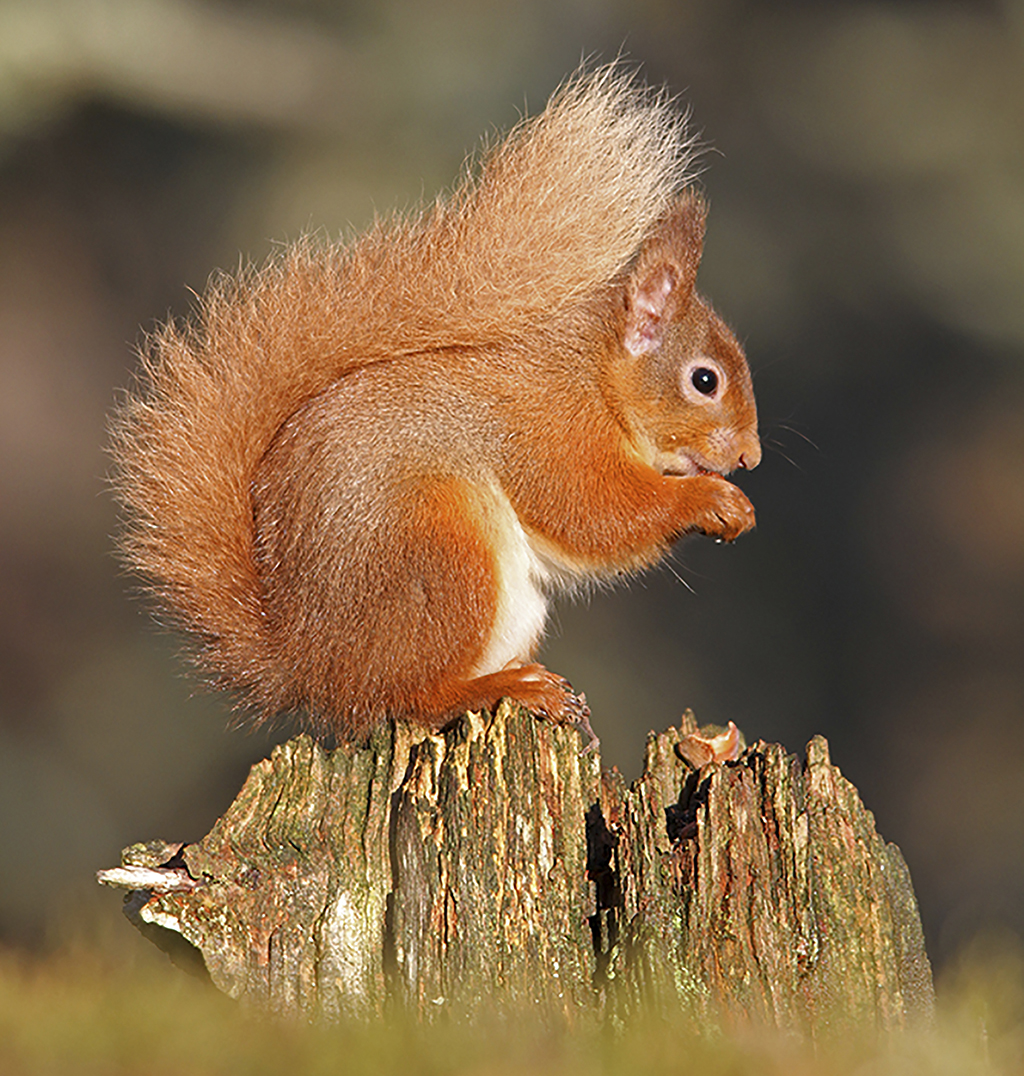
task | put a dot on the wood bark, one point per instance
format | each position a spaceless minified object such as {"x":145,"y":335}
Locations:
{"x":493,"y":867}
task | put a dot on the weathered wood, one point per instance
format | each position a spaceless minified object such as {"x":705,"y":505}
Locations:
{"x":494,"y":867}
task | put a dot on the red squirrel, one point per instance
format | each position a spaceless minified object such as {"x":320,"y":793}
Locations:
{"x":358,"y":476}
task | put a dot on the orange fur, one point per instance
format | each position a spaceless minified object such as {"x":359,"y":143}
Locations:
{"x":356,"y":478}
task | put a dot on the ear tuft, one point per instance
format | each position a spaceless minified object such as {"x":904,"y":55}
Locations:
{"x":663,"y":279}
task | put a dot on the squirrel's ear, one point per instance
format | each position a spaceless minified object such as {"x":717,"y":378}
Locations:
{"x":662,"y":281}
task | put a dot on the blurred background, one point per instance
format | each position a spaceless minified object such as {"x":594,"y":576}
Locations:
{"x":866,"y":241}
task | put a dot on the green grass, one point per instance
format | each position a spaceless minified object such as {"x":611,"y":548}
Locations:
{"x":79,"y":1011}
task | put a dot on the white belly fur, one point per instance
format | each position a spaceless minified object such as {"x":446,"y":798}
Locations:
{"x":525,"y":578}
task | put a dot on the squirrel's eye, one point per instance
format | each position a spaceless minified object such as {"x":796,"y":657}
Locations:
{"x":705,"y":381}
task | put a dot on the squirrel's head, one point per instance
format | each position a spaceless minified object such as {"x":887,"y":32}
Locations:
{"x":683,"y":382}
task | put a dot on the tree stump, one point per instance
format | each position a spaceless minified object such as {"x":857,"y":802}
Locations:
{"x":493,"y":867}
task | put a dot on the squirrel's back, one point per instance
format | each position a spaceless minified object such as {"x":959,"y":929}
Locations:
{"x":558,"y":211}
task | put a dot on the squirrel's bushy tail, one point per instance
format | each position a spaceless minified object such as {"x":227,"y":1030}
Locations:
{"x":558,"y":210}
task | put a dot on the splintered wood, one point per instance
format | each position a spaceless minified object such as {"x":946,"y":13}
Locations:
{"x":494,"y":868}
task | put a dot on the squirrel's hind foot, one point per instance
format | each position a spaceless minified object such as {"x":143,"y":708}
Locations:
{"x":561,"y":706}
{"x":541,"y":691}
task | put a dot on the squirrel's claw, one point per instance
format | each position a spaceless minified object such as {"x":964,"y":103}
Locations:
{"x":582,"y":725}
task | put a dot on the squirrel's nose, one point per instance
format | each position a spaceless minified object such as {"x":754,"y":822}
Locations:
{"x":750,"y":454}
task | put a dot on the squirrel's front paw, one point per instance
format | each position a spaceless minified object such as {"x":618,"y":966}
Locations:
{"x":717,"y":508}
